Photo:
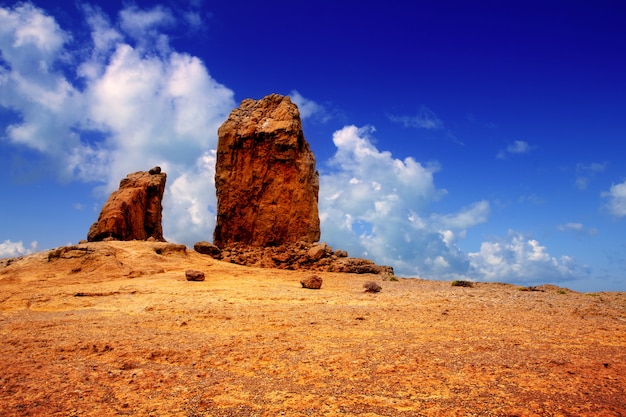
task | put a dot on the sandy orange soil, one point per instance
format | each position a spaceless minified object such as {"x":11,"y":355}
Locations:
{"x":114,"y":328}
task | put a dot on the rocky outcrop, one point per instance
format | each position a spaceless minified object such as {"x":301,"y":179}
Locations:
{"x":133,"y":212}
{"x":265,"y":177}
{"x":300,"y":256}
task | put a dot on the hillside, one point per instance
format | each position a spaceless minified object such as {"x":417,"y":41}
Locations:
{"x":114,"y":328}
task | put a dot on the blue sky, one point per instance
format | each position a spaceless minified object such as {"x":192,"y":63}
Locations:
{"x":454,"y":140}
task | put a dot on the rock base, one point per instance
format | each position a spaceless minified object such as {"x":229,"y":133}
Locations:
{"x":299,"y":256}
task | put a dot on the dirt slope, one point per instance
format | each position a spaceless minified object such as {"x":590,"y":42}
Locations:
{"x":113,"y":328}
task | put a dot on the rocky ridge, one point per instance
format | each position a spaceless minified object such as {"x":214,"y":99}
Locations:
{"x":297,"y":256}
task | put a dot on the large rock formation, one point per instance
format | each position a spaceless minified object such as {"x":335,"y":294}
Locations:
{"x":265,"y":177}
{"x":134,"y":211}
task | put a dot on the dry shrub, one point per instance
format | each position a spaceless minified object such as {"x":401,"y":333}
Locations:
{"x":462,"y":284}
{"x":372,"y":286}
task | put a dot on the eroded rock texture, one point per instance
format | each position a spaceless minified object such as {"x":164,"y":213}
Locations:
{"x":265,"y":177}
{"x":299,"y":256}
{"x":133,"y":212}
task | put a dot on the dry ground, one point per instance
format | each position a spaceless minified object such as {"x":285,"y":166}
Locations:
{"x":119,"y":331}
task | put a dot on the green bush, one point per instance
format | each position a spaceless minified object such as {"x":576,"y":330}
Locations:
{"x":459,"y":283}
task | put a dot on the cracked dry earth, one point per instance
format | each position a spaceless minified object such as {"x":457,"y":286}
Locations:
{"x":113,"y":328}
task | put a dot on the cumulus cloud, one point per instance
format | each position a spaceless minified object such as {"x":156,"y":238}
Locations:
{"x":375,"y":205}
{"x":138,"y":104}
{"x":523,"y":260}
{"x":190,"y":203}
{"x":145,"y":26}
{"x":516,"y":148}
{"x":31,"y":45}
{"x":378,"y":206}
{"x":616,"y":199}
{"x":10,"y":249}
{"x":424,"y":119}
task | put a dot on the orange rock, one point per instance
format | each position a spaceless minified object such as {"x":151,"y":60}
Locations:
{"x":133,"y":212}
{"x":265,"y":177}
{"x":312,"y":282}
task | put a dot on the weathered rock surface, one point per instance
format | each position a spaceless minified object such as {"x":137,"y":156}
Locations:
{"x":265,"y":177}
{"x":133,"y":212}
{"x":207,"y":248}
{"x":193,"y":275}
{"x":300,"y":256}
{"x":312,"y":282}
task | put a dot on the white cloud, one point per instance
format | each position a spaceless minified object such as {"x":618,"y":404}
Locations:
{"x":145,"y":25}
{"x":10,"y":249}
{"x":577,"y":228}
{"x":31,"y":44}
{"x":194,"y":20}
{"x":522,"y":260}
{"x":617,"y":199}
{"x":424,"y":119}
{"x":516,"y":148}
{"x":190,"y":203}
{"x":309,"y":108}
{"x":377,"y":206}
{"x":140,"y":105}
{"x":25,"y":28}
{"x":469,"y":217}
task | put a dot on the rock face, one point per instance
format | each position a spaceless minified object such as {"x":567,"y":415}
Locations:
{"x":265,"y":177}
{"x":133,"y":212}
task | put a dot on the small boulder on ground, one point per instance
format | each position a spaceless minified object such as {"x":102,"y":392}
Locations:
{"x":312,"y":282}
{"x":193,"y":275}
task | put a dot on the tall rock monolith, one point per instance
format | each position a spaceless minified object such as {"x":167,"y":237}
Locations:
{"x":134,"y":211}
{"x":265,"y":177}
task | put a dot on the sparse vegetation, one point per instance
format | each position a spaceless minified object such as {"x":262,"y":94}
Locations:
{"x":389,"y":277}
{"x":372,"y":286}
{"x":460,"y":283}
{"x":531,"y":288}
